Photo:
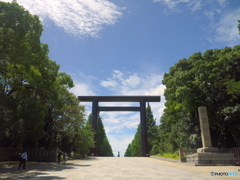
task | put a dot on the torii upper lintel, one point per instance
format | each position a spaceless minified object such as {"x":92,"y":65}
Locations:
{"x":120,"y":98}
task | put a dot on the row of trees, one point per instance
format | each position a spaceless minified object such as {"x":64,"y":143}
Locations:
{"x":36,"y":108}
{"x":134,"y":148}
{"x":102,"y":144}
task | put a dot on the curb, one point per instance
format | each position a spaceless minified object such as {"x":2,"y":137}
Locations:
{"x":166,"y":159}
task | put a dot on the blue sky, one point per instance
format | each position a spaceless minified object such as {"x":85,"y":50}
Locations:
{"x":124,"y":47}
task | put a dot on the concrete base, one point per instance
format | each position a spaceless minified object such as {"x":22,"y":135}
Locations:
{"x":212,"y":159}
{"x":208,"y":150}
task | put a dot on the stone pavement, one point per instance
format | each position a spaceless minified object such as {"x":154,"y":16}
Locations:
{"x":114,"y":168}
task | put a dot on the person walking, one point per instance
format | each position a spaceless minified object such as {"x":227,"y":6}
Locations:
{"x":72,"y":155}
{"x":65,"y":158}
{"x":23,"y":160}
{"x":59,"y":157}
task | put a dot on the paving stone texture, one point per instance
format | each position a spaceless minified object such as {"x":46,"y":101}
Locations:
{"x":115,"y":168}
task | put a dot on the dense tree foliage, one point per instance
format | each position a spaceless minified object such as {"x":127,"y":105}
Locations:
{"x":134,"y":149}
{"x":128,"y":151}
{"x":102,"y":144}
{"x":151,"y":128}
{"x":36,"y":108}
{"x":208,"y":79}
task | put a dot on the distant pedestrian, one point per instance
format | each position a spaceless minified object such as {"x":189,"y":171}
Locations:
{"x":23,"y":160}
{"x":118,"y":154}
{"x":72,"y":154}
{"x":64,"y":158}
{"x":59,"y":156}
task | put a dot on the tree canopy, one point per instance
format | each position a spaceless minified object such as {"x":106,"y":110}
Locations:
{"x":36,"y":108}
{"x":208,"y":79}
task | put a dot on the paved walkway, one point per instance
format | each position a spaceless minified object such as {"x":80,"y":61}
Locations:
{"x":114,"y":168}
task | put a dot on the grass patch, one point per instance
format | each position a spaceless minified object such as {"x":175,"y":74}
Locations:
{"x":168,"y":155}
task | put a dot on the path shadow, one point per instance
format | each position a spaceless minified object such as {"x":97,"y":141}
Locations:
{"x":8,"y":164}
{"x":9,"y":169}
{"x":81,"y":165}
{"x":91,"y":158}
{"x":33,"y":176}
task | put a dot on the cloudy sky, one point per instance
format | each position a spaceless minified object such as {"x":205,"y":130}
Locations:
{"x":124,"y":47}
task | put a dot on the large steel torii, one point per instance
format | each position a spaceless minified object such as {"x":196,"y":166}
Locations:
{"x":141,"y":99}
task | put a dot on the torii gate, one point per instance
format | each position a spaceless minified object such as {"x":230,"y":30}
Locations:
{"x":141,"y":99}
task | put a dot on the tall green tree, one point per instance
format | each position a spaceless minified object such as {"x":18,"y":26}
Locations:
{"x":128,"y":151}
{"x":136,"y":143}
{"x":151,"y":128}
{"x":20,"y":51}
{"x":70,"y":125}
{"x":204,"y":79}
{"x":102,"y":144}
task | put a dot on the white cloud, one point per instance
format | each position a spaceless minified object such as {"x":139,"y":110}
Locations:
{"x":133,"y":81}
{"x":172,"y":3}
{"x":82,"y":84}
{"x":77,"y":17}
{"x":117,"y":122}
{"x":108,"y":83}
{"x":223,"y":19}
{"x":120,"y":142}
{"x":225,"y":31}
{"x":129,"y":83}
{"x":222,"y":2}
{"x":209,"y":14}
{"x":82,"y":89}
{"x":193,"y":5}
